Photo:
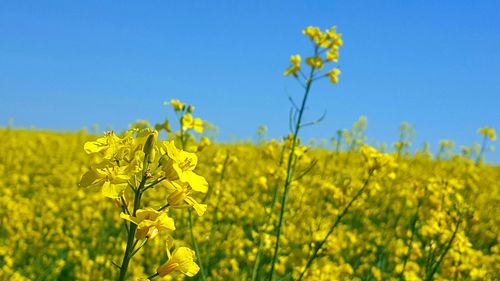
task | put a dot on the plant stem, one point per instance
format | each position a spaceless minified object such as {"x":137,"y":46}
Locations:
{"x":214,"y":227}
{"x":195,"y":245}
{"x":441,"y":257}
{"x":335,"y":224}
{"x":132,"y":226}
{"x":481,"y":152}
{"x":130,"y":241}
{"x":289,"y":172}
{"x":410,"y":244}
{"x":269,"y":217}
{"x":163,"y":207}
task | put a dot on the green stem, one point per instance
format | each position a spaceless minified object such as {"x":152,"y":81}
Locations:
{"x":335,"y":224}
{"x":137,"y":250}
{"x":130,"y":242}
{"x":289,"y":172}
{"x":410,"y":244}
{"x":127,"y":256}
{"x":441,"y":257}
{"x":164,"y":207}
{"x":216,"y":211}
{"x":481,"y":152}
{"x":261,"y":241}
{"x":153,"y":276}
{"x":195,"y":245}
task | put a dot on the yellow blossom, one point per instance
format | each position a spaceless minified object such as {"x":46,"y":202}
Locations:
{"x":177,"y":105}
{"x":149,"y":222}
{"x":182,"y":260}
{"x":315,"y":62}
{"x":295,"y":66}
{"x":179,"y":165}
{"x":488,"y":132}
{"x":112,"y":180}
{"x":334,"y":75}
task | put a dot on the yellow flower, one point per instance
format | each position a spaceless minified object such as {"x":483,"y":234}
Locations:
{"x":149,"y":222}
{"x":488,"y":132}
{"x":204,"y":142}
{"x":182,"y":260}
{"x":187,"y":121}
{"x":198,"y":125}
{"x":377,"y":275}
{"x":315,"y":62}
{"x":374,"y":158}
{"x":107,"y":145}
{"x":180,"y":165}
{"x":164,"y":126}
{"x":177,"y":105}
{"x":112,"y":180}
{"x":332,"y":54}
{"x":295,"y":65}
{"x":336,"y":38}
{"x":334,"y":75}
{"x":179,"y":197}
{"x":315,"y":34}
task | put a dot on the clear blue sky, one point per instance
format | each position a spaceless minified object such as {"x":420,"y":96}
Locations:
{"x":65,"y":65}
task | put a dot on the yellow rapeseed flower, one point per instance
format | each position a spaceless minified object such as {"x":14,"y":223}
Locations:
{"x":112,"y":180}
{"x":315,"y":62}
{"x":177,"y":105}
{"x":294,"y":67}
{"x":149,"y":222}
{"x":182,"y":260}
{"x":488,"y":132}
{"x":334,"y":75}
{"x":179,"y":165}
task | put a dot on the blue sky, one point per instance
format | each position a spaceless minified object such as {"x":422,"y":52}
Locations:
{"x":65,"y":65}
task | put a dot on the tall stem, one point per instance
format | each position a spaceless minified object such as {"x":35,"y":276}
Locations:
{"x":447,"y":248}
{"x":289,"y":172}
{"x":481,"y":152}
{"x":335,"y":224}
{"x":213,"y":228}
{"x":132,"y":226}
{"x":131,"y":234}
{"x":195,"y":245}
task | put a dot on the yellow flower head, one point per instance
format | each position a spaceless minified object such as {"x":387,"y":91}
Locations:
{"x":149,"y":222}
{"x":204,"y":142}
{"x":112,"y":180}
{"x":315,"y":62}
{"x":198,"y":125}
{"x":315,"y":34}
{"x":187,"y":121}
{"x":182,"y":260}
{"x":488,"y":132}
{"x":374,"y":158}
{"x":178,"y":197}
{"x":179,"y":165}
{"x":177,"y":105}
{"x":334,"y":75}
{"x":332,"y":55}
{"x":336,"y":38}
{"x":294,"y":67}
{"x":107,"y":146}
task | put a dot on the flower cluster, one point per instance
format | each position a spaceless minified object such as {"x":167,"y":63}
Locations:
{"x":126,"y":167}
{"x":398,"y":229}
{"x":326,"y":49}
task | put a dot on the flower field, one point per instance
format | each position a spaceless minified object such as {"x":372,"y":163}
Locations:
{"x":415,"y":217}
